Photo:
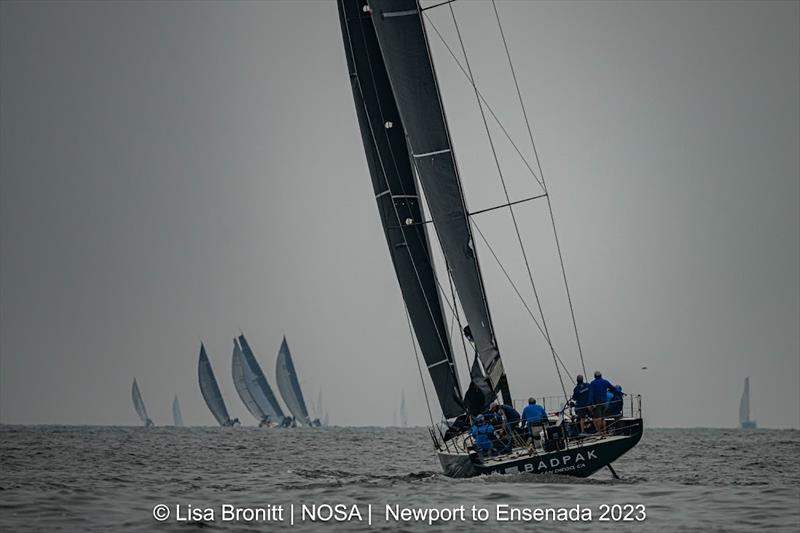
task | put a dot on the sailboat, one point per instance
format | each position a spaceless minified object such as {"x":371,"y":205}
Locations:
{"x":138,"y":404}
{"x":289,"y":385}
{"x":252,"y":385}
{"x":406,"y":136}
{"x":744,"y":408}
{"x":403,"y":415}
{"x":176,"y":412}
{"x":210,"y":390}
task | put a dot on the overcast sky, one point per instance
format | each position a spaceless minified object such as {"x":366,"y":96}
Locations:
{"x":176,"y":171}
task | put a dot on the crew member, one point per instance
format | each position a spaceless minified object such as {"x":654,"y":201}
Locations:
{"x":580,"y":395}
{"x":597,"y":400}
{"x":533,"y":415}
{"x":482,"y":433}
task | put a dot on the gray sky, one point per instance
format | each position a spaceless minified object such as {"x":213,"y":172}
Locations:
{"x":179,"y":170}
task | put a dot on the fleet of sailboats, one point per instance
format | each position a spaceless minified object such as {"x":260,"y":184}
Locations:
{"x":253,"y":389}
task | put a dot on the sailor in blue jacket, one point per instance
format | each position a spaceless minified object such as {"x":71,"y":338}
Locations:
{"x":614,"y":402}
{"x":597,"y":400}
{"x":580,"y":395}
{"x":482,"y":434}
{"x":533,"y":414}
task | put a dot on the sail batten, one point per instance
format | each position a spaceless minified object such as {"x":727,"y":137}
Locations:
{"x":390,"y":166}
{"x":406,"y":55}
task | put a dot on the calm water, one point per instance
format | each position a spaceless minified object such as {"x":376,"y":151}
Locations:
{"x":104,"y":478}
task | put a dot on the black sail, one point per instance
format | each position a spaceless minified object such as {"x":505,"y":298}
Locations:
{"x":404,"y":48}
{"x":398,"y":201}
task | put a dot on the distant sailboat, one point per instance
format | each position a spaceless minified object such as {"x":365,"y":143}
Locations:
{"x":318,"y":414}
{"x":138,"y":404}
{"x":210,"y":391}
{"x":252,"y":385}
{"x":289,"y":385}
{"x":403,"y":415}
{"x":744,"y":408}
{"x":176,"y":412}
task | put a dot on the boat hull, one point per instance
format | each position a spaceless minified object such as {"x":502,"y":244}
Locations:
{"x":579,"y":460}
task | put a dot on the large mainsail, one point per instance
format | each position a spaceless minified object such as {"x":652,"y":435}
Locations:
{"x":210,"y":389}
{"x":744,"y":403}
{"x":289,"y":385}
{"x":258,"y":385}
{"x":404,"y":48}
{"x":384,"y":137}
{"x":138,"y":404}
{"x":176,"y":412}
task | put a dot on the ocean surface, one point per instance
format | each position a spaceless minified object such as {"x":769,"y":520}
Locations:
{"x":111,"y":478}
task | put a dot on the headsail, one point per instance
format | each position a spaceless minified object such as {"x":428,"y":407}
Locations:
{"x":384,"y":137}
{"x":289,"y":385}
{"x":176,"y":412}
{"x":138,"y":404}
{"x":258,"y":385}
{"x":210,"y":389}
{"x":404,"y":47}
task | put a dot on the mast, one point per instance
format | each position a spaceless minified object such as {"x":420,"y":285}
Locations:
{"x":389,"y":162}
{"x":406,"y":54}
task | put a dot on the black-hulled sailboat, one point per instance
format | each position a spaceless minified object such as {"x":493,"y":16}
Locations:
{"x":405,"y":134}
{"x":210,"y":390}
{"x":744,"y":408}
{"x":138,"y":405}
{"x":252,"y":385}
{"x":289,"y":385}
{"x":177,"y":417}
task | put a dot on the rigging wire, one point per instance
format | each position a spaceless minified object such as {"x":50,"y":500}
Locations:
{"x":542,"y":182}
{"x":457,"y":317}
{"x":525,"y":304}
{"x":508,"y":198}
{"x":419,"y":366}
{"x":486,"y":103}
